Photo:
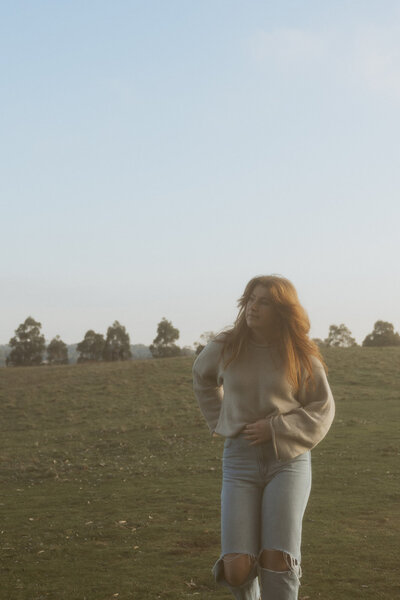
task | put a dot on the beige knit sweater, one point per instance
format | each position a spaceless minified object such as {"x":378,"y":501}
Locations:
{"x":255,"y":387}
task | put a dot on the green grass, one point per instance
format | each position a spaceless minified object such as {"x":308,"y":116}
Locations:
{"x":110,"y":484}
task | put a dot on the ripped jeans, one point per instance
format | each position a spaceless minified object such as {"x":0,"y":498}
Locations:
{"x":262,"y":506}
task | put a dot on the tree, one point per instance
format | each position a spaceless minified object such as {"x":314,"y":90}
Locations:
{"x":57,"y":352}
{"x":187,"y":351}
{"x":91,"y":347}
{"x":205,"y":337}
{"x":27,"y":346}
{"x":163,"y":344}
{"x":340,"y":336}
{"x":382,"y":335}
{"x":117,"y":345}
{"x":319,"y":342}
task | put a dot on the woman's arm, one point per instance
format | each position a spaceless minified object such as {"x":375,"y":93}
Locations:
{"x":206,"y":384}
{"x":303,"y":428}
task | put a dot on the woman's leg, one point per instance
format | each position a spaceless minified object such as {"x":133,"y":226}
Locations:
{"x":284,"y":502}
{"x":240,"y":534}
{"x":241,"y":499}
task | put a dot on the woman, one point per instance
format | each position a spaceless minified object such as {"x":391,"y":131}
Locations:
{"x":262,"y":385}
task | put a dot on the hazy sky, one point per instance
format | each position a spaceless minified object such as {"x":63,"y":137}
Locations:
{"x":156,"y":155}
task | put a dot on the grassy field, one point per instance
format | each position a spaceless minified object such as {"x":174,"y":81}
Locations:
{"x":110,"y":484}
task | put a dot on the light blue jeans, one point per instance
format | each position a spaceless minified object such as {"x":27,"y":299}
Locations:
{"x":262,"y":506}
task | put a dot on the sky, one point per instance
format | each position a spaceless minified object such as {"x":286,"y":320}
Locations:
{"x":157,"y":155}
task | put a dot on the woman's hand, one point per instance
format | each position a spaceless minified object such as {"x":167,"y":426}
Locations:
{"x":258,"y":432}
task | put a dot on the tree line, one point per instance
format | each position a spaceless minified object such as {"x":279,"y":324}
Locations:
{"x":28,"y":346}
{"x":383,"y":334}
{"x":339,"y":336}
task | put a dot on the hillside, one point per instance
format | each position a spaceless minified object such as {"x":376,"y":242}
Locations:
{"x":110,"y":483}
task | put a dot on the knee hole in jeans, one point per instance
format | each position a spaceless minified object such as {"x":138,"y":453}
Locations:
{"x":237,"y":567}
{"x":277,"y":560}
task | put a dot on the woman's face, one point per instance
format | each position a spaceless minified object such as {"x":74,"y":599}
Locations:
{"x":260,"y":314}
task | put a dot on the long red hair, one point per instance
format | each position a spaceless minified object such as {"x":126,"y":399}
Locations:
{"x":294,"y":345}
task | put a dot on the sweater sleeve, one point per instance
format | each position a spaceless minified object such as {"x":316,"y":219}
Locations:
{"x":303,"y":428}
{"x":207,"y":385}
